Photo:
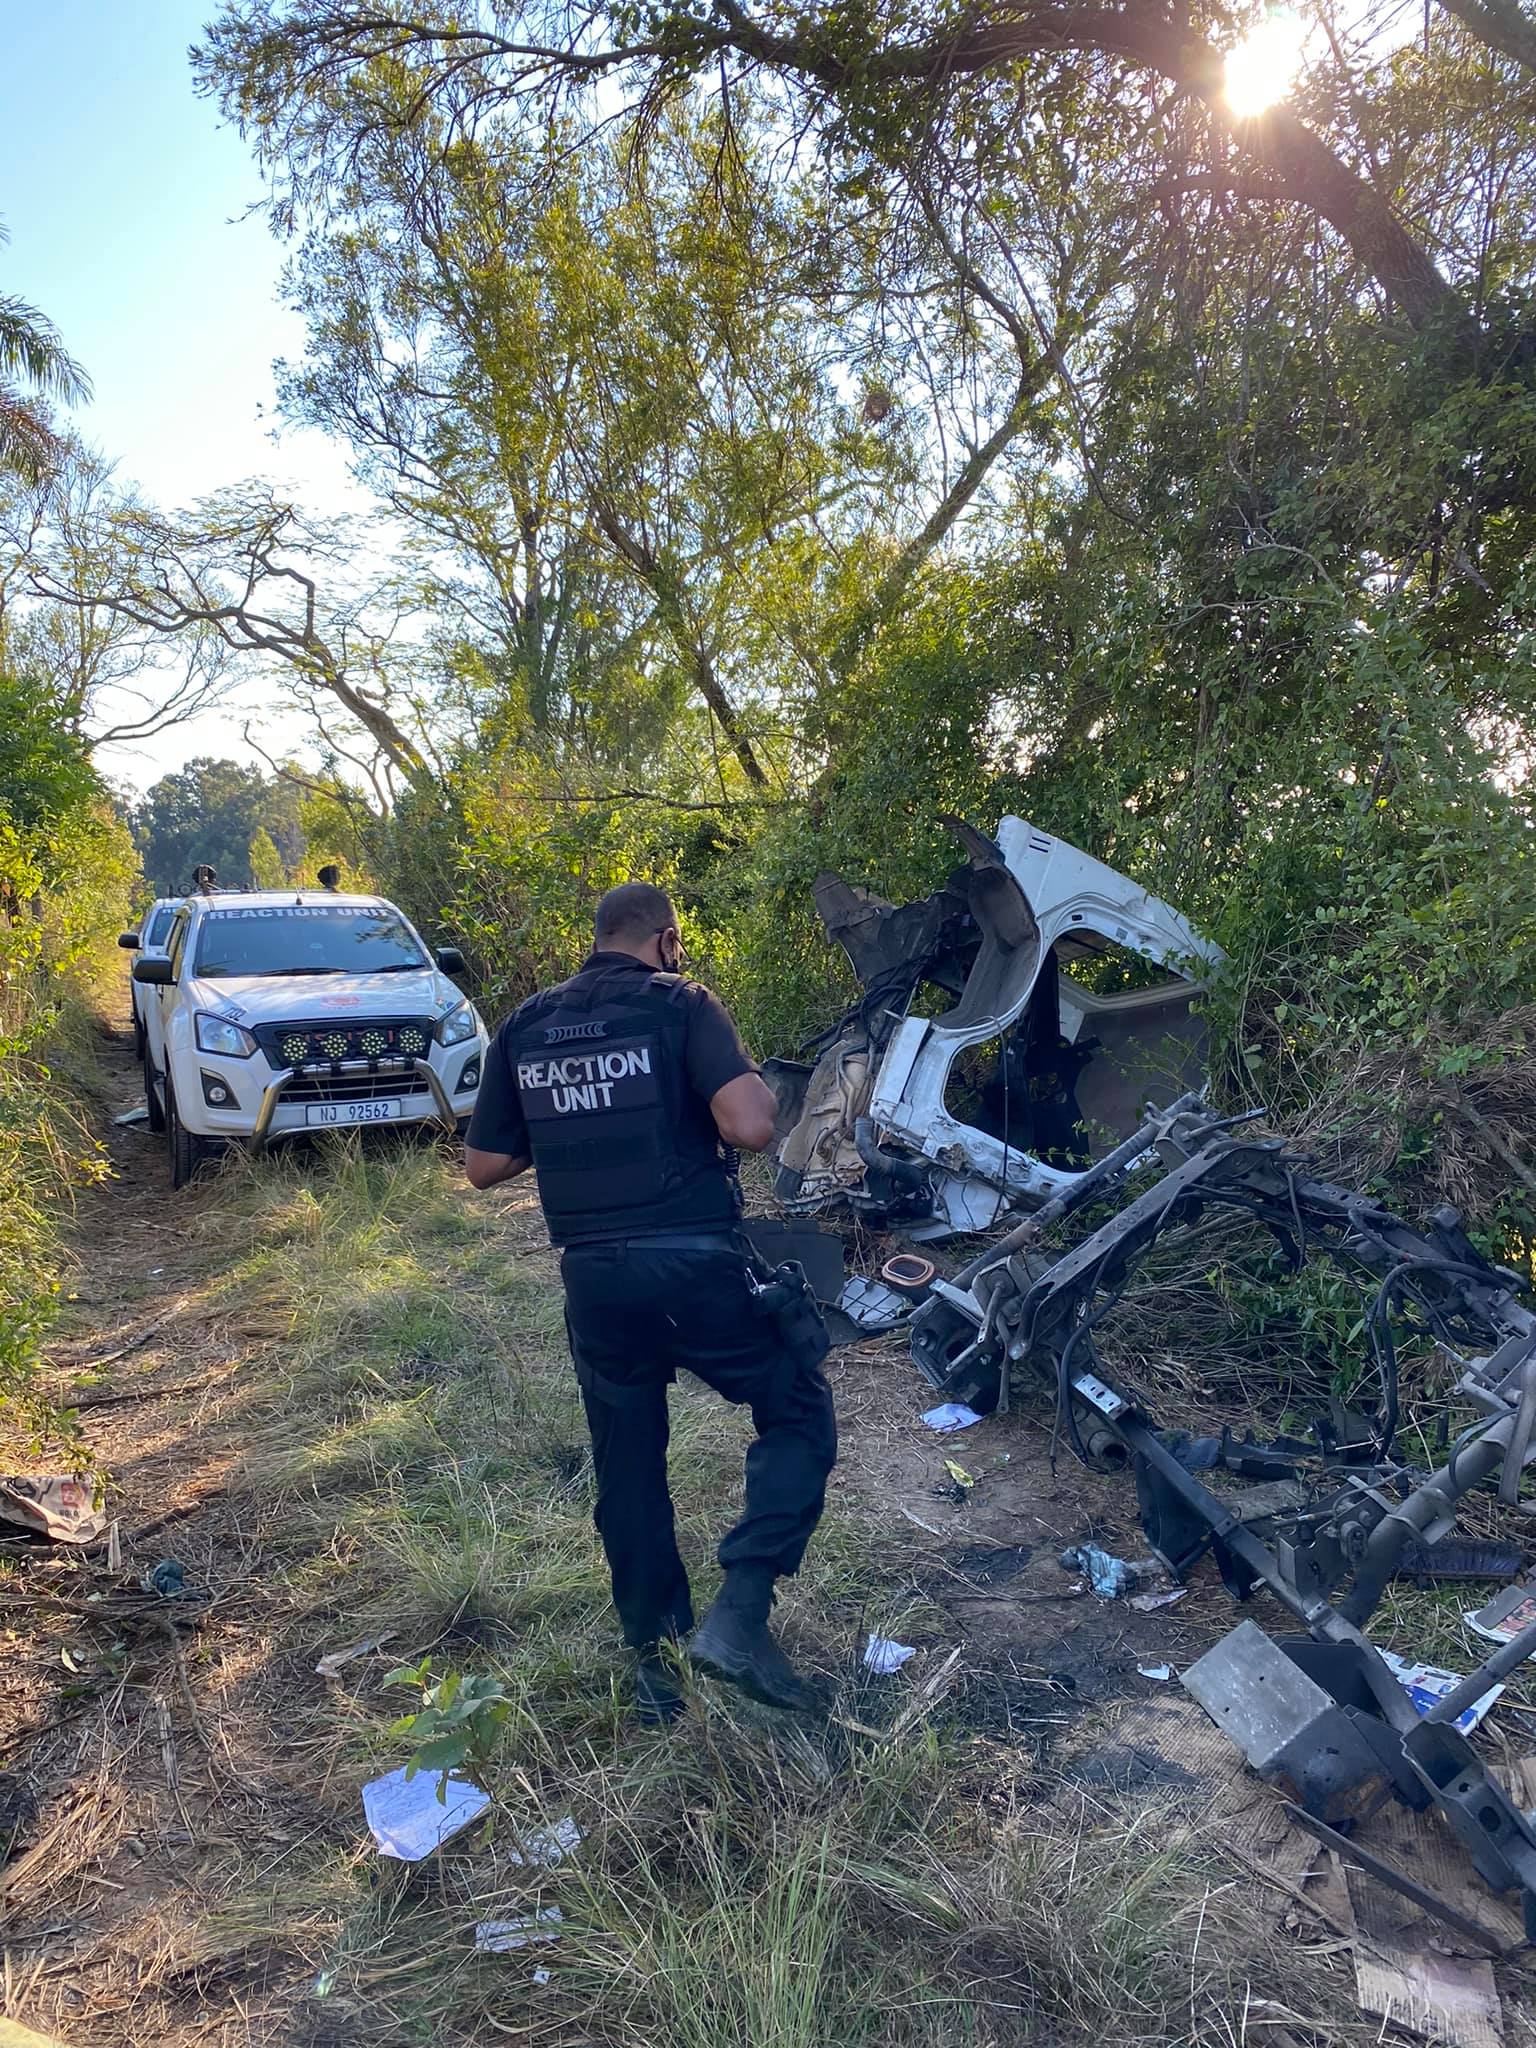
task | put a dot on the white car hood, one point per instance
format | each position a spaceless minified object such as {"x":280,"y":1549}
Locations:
{"x":279,"y":999}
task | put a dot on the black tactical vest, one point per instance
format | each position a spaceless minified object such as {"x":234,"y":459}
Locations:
{"x":621,"y":1144}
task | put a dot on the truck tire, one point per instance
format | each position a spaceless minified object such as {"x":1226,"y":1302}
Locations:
{"x":152,"y":1100}
{"x":187,"y":1152}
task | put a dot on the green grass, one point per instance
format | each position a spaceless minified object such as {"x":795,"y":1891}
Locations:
{"x":418,"y":1450}
{"x":50,"y":1096}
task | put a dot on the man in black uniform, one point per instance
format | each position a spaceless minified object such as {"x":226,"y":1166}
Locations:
{"x":623,"y":1087}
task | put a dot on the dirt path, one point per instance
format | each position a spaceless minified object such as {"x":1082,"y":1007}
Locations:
{"x":118,"y":1742}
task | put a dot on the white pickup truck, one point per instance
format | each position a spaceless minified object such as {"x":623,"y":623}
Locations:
{"x":277,"y":1012}
{"x":148,"y":943}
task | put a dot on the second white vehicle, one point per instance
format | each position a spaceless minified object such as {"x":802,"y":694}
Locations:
{"x":279,"y":1012}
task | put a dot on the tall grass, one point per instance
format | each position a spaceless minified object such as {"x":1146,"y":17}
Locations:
{"x":50,"y":1110}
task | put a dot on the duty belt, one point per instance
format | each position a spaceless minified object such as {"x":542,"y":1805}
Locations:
{"x":723,"y":1240}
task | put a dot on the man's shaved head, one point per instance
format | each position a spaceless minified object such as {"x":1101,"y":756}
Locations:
{"x":633,"y":913}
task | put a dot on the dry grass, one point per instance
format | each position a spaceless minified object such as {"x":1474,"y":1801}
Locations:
{"x":412,"y":1461}
{"x":743,"y":1879}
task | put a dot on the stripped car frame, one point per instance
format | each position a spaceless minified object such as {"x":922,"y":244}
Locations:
{"x":1321,"y":1715}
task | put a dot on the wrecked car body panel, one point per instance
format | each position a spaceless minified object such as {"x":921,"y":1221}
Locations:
{"x":1055,"y":993}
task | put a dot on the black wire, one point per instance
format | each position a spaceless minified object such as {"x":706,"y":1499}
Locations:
{"x":1081,"y":1329}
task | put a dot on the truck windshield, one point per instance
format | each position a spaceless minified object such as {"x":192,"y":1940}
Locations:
{"x":303,"y":938}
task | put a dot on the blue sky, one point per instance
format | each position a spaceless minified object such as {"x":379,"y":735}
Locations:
{"x":124,"y":200}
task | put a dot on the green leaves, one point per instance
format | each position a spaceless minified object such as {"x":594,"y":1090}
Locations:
{"x":457,"y":1724}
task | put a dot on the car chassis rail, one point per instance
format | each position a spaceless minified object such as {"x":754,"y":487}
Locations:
{"x":1322,"y":1715}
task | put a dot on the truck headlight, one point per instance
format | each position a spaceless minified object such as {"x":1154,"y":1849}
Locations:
{"x":218,"y":1034}
{"x":458,"y":1025}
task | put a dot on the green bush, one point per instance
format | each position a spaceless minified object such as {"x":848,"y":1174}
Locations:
{"x":67,"y":870}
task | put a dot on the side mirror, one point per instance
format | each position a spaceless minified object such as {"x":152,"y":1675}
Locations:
{"x":129,"y":941}
{"x":158,"y":973}
{"x":450,"y":960}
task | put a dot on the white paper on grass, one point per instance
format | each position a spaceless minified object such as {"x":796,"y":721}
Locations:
{"x":883,"y":1656}
{"x":496,"y":1937}
{"x":543,"y":1848}
{"x":1160,"y":1672}
{"x":406,"y":1817}
{"x":950,"y":1415}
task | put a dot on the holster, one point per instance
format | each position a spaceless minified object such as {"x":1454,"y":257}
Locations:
{"x":784,"y":1293}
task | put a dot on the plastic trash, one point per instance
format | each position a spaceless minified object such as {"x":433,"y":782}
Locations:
{"x":1148,"y":1603}
{"x":883,"y":1656}
{"x":496,"y":1937}
{"x":1427,"y":1684}
{"x":1109,"y":1576}
{"x":1505,"y":1615}
{"x":543,"y":1848}
{"x":1161,"y":1672}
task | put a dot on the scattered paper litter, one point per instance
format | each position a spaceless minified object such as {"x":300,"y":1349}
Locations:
{"x":541,"y":1976}
{"x":1505,"y":1615}
{"x":884,"y":1656}
{"x":1427,"y":1684}
{"x":57,"y":1506}
{"x":1148,"y":1603}
{"x":1160,"y":1672}
{"x":408,"y":1820}
{"x":496,"y":1937}
{"x":950,"y":1415}
{"x":543,"y":1848}
{"x":333,"y":1662}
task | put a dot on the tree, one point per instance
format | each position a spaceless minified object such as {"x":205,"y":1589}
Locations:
{"x":266,"y":863}
{"x":251,"y":588}
{"x":216,"y":814}
{"x":879,"y":94}
{"x":34,"y":367}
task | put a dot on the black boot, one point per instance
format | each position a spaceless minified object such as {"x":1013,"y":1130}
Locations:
{"x":658,"y":1689}
{"x":735,"y":1643}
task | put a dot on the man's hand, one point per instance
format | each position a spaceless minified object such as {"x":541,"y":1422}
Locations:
{"x":490,"y":1169}
{"x":743,"y":1111}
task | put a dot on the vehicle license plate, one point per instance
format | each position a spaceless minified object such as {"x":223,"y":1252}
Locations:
{"x":382,"y":1111}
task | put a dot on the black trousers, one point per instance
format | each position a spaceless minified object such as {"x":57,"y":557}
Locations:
{"x":635,"y":1315}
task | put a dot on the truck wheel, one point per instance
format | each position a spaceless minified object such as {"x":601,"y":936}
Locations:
{"x":188,"y":1153}
{"x":155,"y":1106}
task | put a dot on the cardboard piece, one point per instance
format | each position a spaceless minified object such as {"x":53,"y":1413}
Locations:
{"x":1404,"y":1976}
{"x":1166,"y":1748}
